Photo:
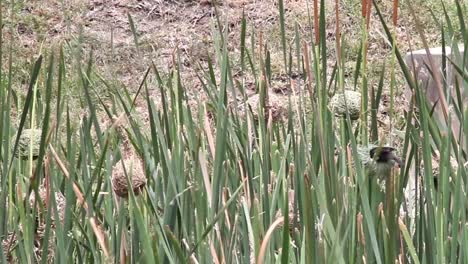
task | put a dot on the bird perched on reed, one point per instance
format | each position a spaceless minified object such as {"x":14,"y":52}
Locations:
{"x":378,"y":160}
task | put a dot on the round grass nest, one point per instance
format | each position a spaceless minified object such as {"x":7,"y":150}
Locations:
{"x":133,"y":168}
{"x":42,"y":207}
{"x":277,"y":105}
{"x":28,"y":137}
{"x":347,"y":102}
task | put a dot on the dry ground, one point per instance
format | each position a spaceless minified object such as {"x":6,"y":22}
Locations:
{"x":164,"y":27}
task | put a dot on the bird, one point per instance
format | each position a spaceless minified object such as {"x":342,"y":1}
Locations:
{"x":379,"y":160}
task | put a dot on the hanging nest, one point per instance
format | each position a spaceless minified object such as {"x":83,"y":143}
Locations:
{"x":275,"y":104}
{"x":28,"y":137}
{"x":133,"y":168}
{"x":351,"y":106}
{"x":42,"y":207}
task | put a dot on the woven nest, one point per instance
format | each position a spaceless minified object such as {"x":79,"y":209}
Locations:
{"x":132,"y":168}
{"x":351,"y":106}
{"x":277,"y":106}
{"x":28,"y":137}
{"x":42,"y":207}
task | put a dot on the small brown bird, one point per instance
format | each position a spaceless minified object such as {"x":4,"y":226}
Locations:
{"x":378,"y":160}
{"x":386,"y":155}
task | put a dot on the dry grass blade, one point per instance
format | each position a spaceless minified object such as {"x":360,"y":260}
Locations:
{"x":364,"y":7}
{"x":213,"y":253}
{"x":261,"y":254}
{"x":123,"y":251}
{"x":395,"y":12}
{"x":368,"y":13}
{"x":193,"y":259}
{"x":95,"y":226}
{"x":76,"y":189}
{"x":266,"y":239}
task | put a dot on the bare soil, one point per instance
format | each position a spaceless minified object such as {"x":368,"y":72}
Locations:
{"x":165,"y":29}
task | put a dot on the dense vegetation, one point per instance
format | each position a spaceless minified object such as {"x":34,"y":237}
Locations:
{"x":224,"y":181}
